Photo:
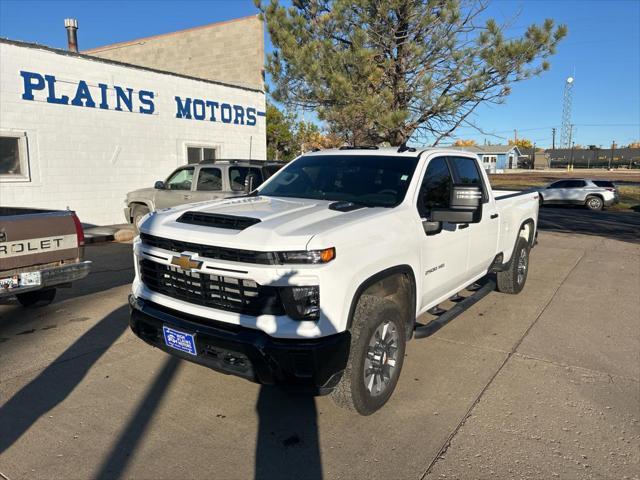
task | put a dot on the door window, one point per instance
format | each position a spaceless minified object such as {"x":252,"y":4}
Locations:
{"x":209,"y":179}
{"x":180,"y":179}
{"x":467,"y":172}
{"x":238,"y":174}
{"x":560,"y":184}
{"x":435,"y":191}
{"x":574,"y":184}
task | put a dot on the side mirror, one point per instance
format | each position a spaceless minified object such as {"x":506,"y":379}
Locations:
{"x":249,"y":182}
{"x":159,"y":185}
{"x":465,"y":205}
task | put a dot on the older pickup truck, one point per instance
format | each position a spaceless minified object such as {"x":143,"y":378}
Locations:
{"x":316,"y":279}
{"x":40,"y":250}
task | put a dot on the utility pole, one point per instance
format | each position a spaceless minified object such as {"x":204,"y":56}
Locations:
{"x":533,"y":163}
{"x":613,"y":146}
{"x":571,"y":156}
{"x":553,"y":138}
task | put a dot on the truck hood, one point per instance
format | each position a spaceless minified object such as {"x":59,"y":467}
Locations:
{"x":283,"y":223}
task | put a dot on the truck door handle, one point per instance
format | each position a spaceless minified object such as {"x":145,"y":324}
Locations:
{"x":187,"y":197}
{"x":463,"y":225}
{"x":495,"y":215}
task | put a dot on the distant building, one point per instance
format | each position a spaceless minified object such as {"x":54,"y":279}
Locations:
{"x":496,"y":158}
{"x":230,"y":52}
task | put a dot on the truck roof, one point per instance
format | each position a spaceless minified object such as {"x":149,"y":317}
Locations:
{"x":388,"y":151}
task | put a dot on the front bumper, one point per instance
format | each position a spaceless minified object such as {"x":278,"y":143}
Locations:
{"x":310,"y":365}
{"x":50,"y":277}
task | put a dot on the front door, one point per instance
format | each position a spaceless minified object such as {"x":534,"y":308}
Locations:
{"x":483,"y":236}
{"x":443,"y":254}
{"x":177,"y":189}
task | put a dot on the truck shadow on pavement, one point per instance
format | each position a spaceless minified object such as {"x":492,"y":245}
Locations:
{"x":288,"y":441}
{"x":58,"y":380}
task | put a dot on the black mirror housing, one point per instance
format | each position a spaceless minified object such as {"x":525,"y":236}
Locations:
{"x":159,"y":185}
{"x":249,"y":183}
{"x":465,"y":205}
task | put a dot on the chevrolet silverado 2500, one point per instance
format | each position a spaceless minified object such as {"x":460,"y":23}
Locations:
{"x":316,"y":278}
{"x":40,"y":250}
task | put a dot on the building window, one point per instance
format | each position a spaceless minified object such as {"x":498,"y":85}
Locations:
{"x":14,"y":161}
{"x":197,"y":154}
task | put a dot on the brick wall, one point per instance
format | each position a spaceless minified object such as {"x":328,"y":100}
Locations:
{"x":87,"y":159}
{"x":230,"y":51}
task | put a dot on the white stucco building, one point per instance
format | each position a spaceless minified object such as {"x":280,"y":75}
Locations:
{"x":80,"y":132}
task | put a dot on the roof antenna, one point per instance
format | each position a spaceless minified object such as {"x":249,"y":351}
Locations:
{"x":404,"y":148}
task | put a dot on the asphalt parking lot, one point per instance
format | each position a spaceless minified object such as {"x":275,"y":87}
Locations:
{"x":540,"y":385}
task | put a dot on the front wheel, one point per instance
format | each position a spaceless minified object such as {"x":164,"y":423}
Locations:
{"x":377,"y":352}
{"x":137,"y":212}
{"x":594,"y":203}
{"x":513,"y":279}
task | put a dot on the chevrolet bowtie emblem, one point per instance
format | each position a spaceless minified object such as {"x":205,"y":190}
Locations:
{"x":185,"y":262}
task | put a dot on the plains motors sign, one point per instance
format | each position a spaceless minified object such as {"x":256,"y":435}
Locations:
{"x":126,"y":99}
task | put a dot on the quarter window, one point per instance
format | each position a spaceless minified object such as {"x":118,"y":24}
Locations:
{"x":14,"y":163}
{"x":209,"y":179}
{"x":435,"y":191}
{"x":180,"y":180}
{"x":237,"y":176}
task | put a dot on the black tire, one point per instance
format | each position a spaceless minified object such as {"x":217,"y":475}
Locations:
{"x":540,"y":200}
{"x":37,"y":298}
{"x":357,"y":391}
{"x":137,"y":212}
{"x":513,"y":279}
{"x":594,"y":203}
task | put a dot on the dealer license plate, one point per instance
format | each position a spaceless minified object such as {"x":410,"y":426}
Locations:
{"x":30,"y":279}
{"x":9,"y":282}
{"x":179,"y":340}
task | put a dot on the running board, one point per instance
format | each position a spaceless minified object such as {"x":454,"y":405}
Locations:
{"x":422,"y":331}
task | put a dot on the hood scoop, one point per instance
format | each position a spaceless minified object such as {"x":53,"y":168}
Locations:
{"x":217,"y":220}
{"x":345,"y":206}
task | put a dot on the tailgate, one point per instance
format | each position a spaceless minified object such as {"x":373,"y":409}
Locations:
{"x":32,"y":237}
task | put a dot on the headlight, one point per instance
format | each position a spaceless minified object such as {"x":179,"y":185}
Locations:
{"x":308,"y":256}
{"x":301,"y":303}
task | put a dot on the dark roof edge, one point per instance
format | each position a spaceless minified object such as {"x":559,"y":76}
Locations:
{"x":121,"y":64}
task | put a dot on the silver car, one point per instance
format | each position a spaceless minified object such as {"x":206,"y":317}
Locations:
{"x":198,"y":183}
{"x":580,"y":191}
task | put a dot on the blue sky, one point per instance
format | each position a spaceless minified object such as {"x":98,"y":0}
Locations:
{"x":602,"y":50}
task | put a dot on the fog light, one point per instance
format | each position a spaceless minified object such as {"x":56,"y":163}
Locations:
{"x":301,"y":303}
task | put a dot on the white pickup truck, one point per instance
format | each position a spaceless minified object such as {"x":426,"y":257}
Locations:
{"x":315,"y":280}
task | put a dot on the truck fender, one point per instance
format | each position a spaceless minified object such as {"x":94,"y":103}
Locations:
{"x":528,"y":226}
{"x":376,"y":285}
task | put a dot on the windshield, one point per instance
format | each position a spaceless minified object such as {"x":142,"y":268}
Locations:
{"x":367,"y":180}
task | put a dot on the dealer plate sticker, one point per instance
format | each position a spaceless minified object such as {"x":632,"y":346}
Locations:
{"x":179,"y":340}
{"x":30,"y":278}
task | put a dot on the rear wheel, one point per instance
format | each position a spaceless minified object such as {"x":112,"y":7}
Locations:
{"x":377,"y":352}
{"x":513,"y":279}
{"x":37,"y":298}
{"x":137,"y":212}
{"x":594,"y":203}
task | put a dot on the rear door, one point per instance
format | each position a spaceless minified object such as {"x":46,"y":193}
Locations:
{"x":444,"y":254}
{"x":177,"y":189}
{"x":483,"y":236}
{"x":574,"y":191}
{"x":208,"y":184}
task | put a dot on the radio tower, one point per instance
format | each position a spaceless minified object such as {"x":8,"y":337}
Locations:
{"x":565,"y":130}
